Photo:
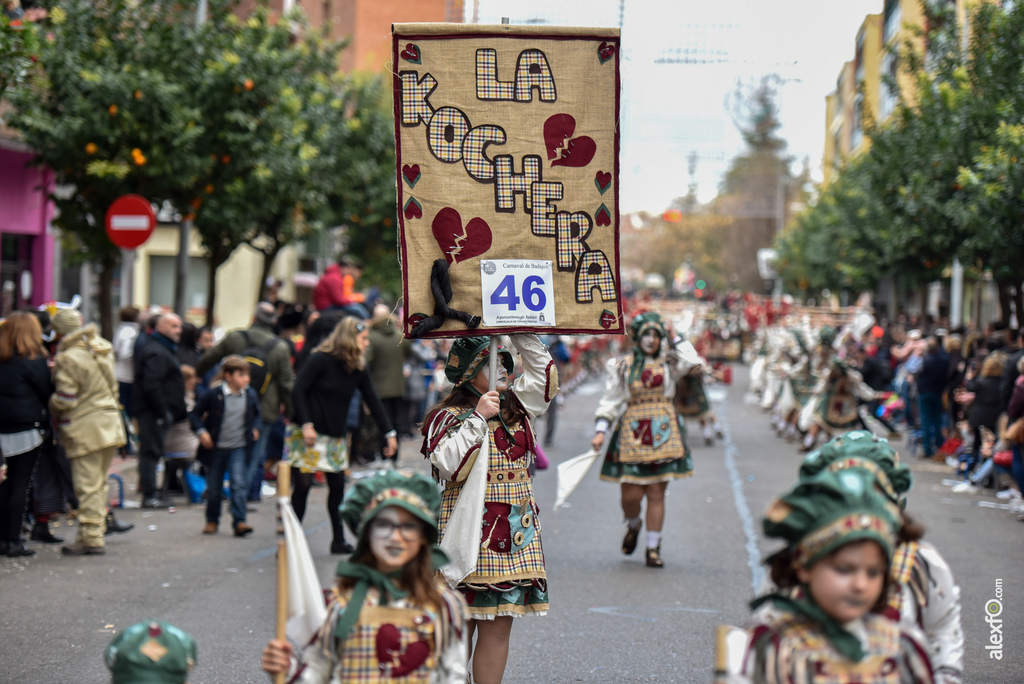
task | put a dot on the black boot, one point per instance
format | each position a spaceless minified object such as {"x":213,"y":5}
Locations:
{"x":115,"y":525}
{"x":41,"y":533}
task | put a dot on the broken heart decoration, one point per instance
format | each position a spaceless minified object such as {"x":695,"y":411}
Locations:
{"x":607,"y":319}
{"x":411,"y":53}
{"x":575,"y":152}
{"x":411,"y":174}
{"x":605,"y":51}
{"x":457,"y":242}
{"x":603,"y":181}
{"x":389,"y":649}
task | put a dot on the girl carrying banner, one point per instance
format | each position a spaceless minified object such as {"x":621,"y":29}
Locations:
{"x":481,"y":444}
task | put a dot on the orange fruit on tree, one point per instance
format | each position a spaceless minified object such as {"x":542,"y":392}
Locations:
{"x":249,"y":85}
{"x":112,"y":110}
{"x":90,"y":148}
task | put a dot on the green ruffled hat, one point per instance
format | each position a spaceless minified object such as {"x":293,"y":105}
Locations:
{"x":151,"y":652}
{"x":830,"y":509}
{"x":644,"y":322}
{"x":827,"y":335}
{"x":414,"y":492}
{"x":862,"y":450}
{"x":467,"y":357}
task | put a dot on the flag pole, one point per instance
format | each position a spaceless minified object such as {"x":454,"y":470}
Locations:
{"x":284,"y":473}
{"x":492,"y":359}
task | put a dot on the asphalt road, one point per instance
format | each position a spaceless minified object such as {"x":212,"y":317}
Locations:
{"x":612,"y":619}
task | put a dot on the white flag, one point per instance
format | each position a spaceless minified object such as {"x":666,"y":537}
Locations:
{"x":306,"y":609}
{"x":571,"y":473}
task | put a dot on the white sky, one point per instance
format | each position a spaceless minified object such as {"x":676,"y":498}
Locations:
{"x":668,"y":110}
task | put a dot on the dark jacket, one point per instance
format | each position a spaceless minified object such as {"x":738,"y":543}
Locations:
{"x":159,"y":386}
{"x":25,"y":389}
{"x":931,"y":379}
{"x":279,"y":363}
{"x":1010,"y":376}
{"x":987,"y":404}
{"x":209,"y":414}
{"x":324,"y":390}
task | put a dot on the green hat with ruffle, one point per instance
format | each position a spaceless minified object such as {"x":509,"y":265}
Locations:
{"x":414,"y":492}
{"x":862,"y":450}
{"x":644,"y":322}
{"x":467,"y":357}
{"x":831,"y":509}
{"x":151,"y":652}
{"x":827,"y":335}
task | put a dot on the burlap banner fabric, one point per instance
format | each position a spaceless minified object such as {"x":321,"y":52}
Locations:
{"x":508,"y":177}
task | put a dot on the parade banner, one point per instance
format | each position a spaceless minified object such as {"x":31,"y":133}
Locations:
{"x":508,"y":178}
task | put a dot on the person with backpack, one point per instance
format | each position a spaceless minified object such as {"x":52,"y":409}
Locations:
{"x":270,"y":375}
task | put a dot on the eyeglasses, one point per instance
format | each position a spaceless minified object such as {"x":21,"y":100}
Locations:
{"x":384,"y":529}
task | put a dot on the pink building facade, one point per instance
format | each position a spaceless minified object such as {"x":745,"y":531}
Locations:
{"x":27,"y":244}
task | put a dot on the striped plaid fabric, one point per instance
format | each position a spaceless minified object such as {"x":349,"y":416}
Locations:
{"x":601,"y":278}
{"x":509,"y":183}
{"x":416,"y":92}
{"x":476,"y":162}
{"x":487,"y":85}
{"x":649,"y":403}
{"x":493,"y":567}
{"x":356,"y":658}
{"x":532,"y":71}
{"x":543,"y":221}
{"x":444,"y":143}
{"x":573,"y":229}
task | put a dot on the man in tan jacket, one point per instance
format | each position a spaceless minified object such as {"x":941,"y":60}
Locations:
{"x":89,"y":421}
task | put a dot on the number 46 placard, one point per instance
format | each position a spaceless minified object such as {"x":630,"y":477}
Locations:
{"x":517,"y":292}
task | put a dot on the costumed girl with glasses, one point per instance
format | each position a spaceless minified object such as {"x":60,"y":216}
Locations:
{"x":481,"y":444}
{"x":647,"y":448}
{"x":392,"y":618}
{"x":826,"y":624}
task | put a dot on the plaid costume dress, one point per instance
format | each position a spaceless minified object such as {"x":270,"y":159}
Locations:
{"x":791,"y":649}
{"x":400,"y":642}
{"x":648,"y":442}
{"x":509,"y":578}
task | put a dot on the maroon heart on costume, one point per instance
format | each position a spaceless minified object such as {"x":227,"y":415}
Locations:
{"x":603,"y":181}
{"x":411,"y":53}
{"x":412,"y":174}
{"x":413,"y":209}
{"x":605,"y":51}
{"x":388,"y":645}
{"x":557,"y":129}
{"x":603,"y":217}
{"x":517,"y":451}
{"x":607,"y":319}
{"x":460,"y":243}
{"x":650,"y":379}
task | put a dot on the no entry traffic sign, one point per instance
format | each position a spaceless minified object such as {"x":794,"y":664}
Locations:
{"x":130,"y":221}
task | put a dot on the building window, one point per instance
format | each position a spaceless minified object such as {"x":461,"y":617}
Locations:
{"x":889,"y":94}
{"x":893,"y":18}
{"x":857,"y":125}
{"x":161,"y":282}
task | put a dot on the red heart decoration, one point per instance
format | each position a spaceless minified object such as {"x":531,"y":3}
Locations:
{"x":607,"y":319}
{"x":605,"y":51}
{"x":411,"y":53}
{"x":603,"y":181}
{"x":577,"y":152}
{"x":497,"y":530}
{"x":388,"y":645}
{"x":603,"y":216}
{"x":412,"y":174}
{"x":413,"y":209}
{"x":557,"y":129}
{"x":650,"y":379}
{"x":458,"y":243}
{"x":502,"y":442}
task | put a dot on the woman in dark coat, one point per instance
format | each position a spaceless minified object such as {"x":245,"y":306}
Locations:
{"x":987,"y":403}
{"x":25,"y":389}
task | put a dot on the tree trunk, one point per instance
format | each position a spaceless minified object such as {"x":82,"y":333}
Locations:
{"x":1003,"y":289}
{"x":217,"y":259}
{"x":106,"y":278}
{"x":1018,"y":303}
{"x":268,"y":263}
